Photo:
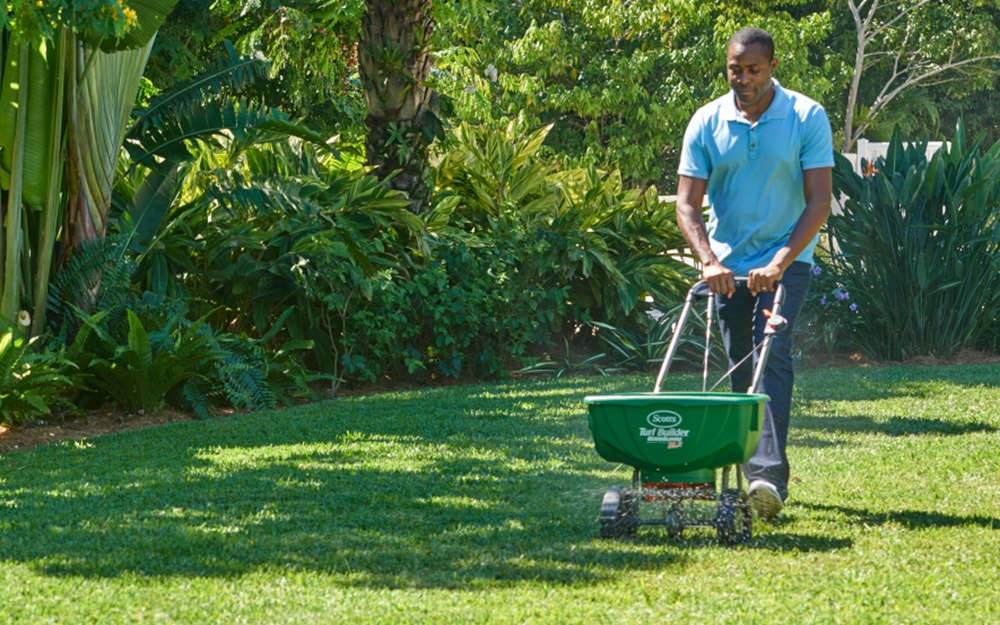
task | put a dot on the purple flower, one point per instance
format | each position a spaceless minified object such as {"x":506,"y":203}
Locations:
{"x":853,"y":307}
{"x":817,"y":270}
{"x":822,"y":300}
{"x":841,"y":295}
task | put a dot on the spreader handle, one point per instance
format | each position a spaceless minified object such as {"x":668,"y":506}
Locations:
{"x":700,"y":291}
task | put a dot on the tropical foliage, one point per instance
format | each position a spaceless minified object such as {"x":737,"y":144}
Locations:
{"x":311,"y":45}
{"x":175,"y":233}
{"x":579,"y":227}
{"x":619,"y":80}
{"x":31,"y":383}
{"x":69,"y":81}
{"x":277,"y":238}
{"x":918,"y":247}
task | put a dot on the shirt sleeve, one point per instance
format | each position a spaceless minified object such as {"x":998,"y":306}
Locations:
{"x":817,"y":141}
{"x":694,"y":159}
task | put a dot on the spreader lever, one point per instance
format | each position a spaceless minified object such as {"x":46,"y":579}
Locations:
{"x":775,"y":324}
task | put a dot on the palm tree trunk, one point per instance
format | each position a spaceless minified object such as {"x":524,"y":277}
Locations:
{"x":395,"y":62}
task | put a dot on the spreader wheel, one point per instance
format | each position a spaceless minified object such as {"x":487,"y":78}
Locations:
{"x":619,"y":513}
{"x":733,"y":521}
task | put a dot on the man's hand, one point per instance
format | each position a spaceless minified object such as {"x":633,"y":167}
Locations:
{"x":765,"y":279}
{"x":720,"y":279}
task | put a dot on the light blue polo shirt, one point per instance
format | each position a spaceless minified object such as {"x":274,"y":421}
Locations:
{"x":754,"y":173}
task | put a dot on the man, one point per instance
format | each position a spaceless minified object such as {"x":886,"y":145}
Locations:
{"x":764,"y":154}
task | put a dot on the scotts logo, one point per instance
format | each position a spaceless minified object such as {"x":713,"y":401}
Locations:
{"x":663,"y":419}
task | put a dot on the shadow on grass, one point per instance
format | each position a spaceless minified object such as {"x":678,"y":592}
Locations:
{"x":911,"y":519}
{"x":892,"y":382}
{"x":358,"y":490}
{"x":892,"y":426}
{"x":450,"y":488}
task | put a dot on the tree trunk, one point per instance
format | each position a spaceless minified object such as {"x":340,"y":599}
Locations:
{"x":394,"y":63}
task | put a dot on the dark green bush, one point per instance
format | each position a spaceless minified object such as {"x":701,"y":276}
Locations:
{"x":277,"y":242}
{"x":467,"y":309}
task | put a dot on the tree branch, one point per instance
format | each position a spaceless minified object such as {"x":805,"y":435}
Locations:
{"x":899,"y":16}
{"x":922,"y":78}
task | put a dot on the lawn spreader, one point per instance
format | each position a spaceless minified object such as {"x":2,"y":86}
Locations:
{"x":678,"y":442}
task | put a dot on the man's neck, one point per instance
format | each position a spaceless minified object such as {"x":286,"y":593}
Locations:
{"x":756,"y":110}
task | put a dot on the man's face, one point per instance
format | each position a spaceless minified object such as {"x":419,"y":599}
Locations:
{"x":749,"y":72}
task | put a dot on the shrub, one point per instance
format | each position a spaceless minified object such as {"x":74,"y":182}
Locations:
{"x":576,"y":227}
{"x":271,"y":228}
{"x":144,"y":351}
{"x":31,"y":382}
{"x":514,"y":251}
{"x":468,"y":308}
{"x":918,"y":247}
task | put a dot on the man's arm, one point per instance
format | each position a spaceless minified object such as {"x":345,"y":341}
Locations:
{"x":817,"y":185}
{"x":690,"y":196}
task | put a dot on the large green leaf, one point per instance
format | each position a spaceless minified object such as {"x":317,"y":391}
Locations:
{"x":150,"y":204}
{"x":39,"y":139}
{"x":97,"y":128}
{"x":201,"y":119}
{"x":231,"y":73}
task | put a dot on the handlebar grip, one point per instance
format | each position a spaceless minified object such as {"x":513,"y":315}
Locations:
{"x":701,"y":291}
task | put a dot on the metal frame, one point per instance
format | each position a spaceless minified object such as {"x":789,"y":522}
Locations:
{"x":673,"y":516}
{"x":701,"y":291}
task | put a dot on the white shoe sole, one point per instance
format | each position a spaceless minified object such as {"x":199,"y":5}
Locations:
{"x":765,"y":501}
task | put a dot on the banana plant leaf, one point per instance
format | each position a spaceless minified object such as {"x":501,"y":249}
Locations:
{"x":97,"y":128}
{"x":38,"y":141}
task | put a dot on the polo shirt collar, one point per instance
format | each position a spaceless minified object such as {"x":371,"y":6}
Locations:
{"x":779,"y":108}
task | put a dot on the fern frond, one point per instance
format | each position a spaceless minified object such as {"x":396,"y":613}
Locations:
{"x":96,"y":275}
{"x":196,"y":400}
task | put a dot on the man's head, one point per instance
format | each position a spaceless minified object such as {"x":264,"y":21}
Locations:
{"x":750,"y":64}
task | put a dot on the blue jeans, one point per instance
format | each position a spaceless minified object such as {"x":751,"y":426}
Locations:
{"x":741,"y":322}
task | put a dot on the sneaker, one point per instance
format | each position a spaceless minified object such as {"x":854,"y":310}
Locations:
{"x":764,"y":499}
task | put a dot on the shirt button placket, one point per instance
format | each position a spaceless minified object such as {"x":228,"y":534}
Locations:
{"x":753,"y":141}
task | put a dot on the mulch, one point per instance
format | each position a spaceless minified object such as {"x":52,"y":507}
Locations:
{"x":93,"y":423}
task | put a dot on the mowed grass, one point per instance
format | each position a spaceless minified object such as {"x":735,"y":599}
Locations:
{"x":479,"y":504}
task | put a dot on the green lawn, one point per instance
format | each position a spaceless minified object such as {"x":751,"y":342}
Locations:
{"x":479,"y":504}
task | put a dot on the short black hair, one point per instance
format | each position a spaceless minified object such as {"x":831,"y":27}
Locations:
{"x":750,"y":35}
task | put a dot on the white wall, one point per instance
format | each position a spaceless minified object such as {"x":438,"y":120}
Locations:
{"x":870,"y":150}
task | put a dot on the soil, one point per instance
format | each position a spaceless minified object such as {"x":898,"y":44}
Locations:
{"x":93,"y":423}
{"x":107,"y":421}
